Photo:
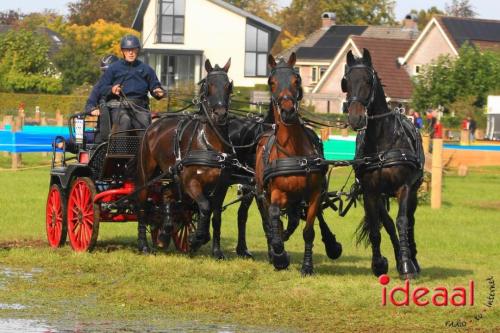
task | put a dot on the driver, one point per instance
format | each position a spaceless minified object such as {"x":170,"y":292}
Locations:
{"x":128,"y":82}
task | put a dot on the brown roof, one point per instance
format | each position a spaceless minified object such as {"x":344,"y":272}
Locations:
{"x":383,"y":31}
{"x":385,"y":53}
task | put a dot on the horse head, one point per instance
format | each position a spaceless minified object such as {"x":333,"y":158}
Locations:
{"x":360,"y":82}
{"x":215,"y":92}
{"x":285,"y":86}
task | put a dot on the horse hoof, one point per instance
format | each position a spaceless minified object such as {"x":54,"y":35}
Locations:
{"x":307,"y":270}
{"x":333,"y":251}
{"x":280,"y":260}
{"x":144,"y":249}
{"x":244,"y":254}
{"x":163,"y":240}
{"x":380,"y":266}
{"x":407,"y":270}
{"x":417,"y":266}
{"x":218,"y":255}
{"x":196,"y":241}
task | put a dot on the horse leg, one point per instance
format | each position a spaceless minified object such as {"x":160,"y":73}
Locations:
{"x":216,"y":225}
{"x":202,"y":234}
{"x":412,"y":207}
{"x":406,"y":268}
{"x":241,"y":248}
{"x":280,"y":258}
{"x":263,"y":207}
{"x":389,"y":226}
{"x":165,"y":231}
{"x":293,"y":212}
{"x":371,"y":225}
{"x":333,"y":248}
{"x":308,"y":234}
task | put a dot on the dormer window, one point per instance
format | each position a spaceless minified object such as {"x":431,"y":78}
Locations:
{"x":171,"y":21}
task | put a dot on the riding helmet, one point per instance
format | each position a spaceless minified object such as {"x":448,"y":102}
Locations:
{"x":107,"y":60}
{"x":130,"y":42}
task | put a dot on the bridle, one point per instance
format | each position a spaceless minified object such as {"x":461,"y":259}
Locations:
{"x":277,"y":100}
{"x":366,"y":102}
{"x":212,"y":102}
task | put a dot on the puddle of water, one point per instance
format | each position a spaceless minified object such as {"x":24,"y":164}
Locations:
{"x":4,"y":306}
{"x":24,"y":325}
{"x":11,"y":273}
{"x":38,"y":326}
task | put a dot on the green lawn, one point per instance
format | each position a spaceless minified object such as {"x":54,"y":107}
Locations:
{"x":456,"y":243}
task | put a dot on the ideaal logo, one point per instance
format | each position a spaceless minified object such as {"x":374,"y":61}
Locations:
{"x":438,"y":296}
{"x":423,"y":296}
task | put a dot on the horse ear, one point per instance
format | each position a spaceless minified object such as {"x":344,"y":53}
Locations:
{"x":271,"y":61}
{"x":367,"y":58}
{"x":350,"y":59}
{"x":208,"y":66}
{"x":292,"y":59}
{"x":227,"y":65}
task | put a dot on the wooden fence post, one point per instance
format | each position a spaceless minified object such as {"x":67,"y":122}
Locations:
{"x":16,"y":157}
{"x":437,"y":173}
{"x":425,"y":143}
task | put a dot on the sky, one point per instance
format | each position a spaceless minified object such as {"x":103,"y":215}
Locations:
{"x":489,"y":9}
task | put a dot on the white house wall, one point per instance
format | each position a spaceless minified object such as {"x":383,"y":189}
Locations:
{"x":218,"y":32}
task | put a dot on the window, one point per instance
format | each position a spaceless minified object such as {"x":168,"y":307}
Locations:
{"x":322,"y":71}
{"x":418,"y":69}
{"x":256,"y":50}
{"x":171,"y":21}
{"x":314,"y":74}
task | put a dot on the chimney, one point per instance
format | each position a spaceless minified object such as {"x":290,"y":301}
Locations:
{"x":410,"y":23}
{"x":328,"y":19}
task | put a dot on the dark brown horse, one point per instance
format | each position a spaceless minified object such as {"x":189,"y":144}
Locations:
{"x":389,"y":149}
{"x":289,"y":172}
{"x":191,"y":150}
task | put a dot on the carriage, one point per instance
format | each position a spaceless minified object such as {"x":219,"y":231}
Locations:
{"x":94,"y":183}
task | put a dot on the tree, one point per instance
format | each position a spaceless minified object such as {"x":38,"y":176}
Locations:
{"x":473,"y":73}
{"x":10,"y":17}
{"x":265,"y":9}
{"x":460,"y":8}
{"x":302,"y":17}
{"x":24,"y":63}
{"x":78,"y":60}
{"x":86,"y":12}
{"x":424,"y":16}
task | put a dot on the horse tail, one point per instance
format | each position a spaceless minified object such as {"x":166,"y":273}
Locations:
{"x":363,"y":231}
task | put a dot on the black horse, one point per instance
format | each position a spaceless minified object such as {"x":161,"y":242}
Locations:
{"x":389,"y":162}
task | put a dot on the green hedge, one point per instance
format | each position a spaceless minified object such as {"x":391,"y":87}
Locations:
{"x":67,"y":104}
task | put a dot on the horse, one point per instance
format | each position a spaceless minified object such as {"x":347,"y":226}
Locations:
{"x":244,"y":133}
{"x":289,"y":171}
{"x":192,"y":152}
{"x":390,"y":161}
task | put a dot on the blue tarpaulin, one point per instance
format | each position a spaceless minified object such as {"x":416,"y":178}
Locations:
{"x":31,"y":139}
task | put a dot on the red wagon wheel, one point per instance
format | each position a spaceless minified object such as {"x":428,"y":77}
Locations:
{"x":55,"y":217}
{"x":182,"y":229}
{"x":83,"y":215}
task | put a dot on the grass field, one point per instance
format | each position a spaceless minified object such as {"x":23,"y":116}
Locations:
{"x":113,"y":284}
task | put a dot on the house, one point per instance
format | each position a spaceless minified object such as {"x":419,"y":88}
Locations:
{"x":178,"y":35}
{"x":384,"y":53}
{"x":445,"y":35}
{"x":316,"y":52}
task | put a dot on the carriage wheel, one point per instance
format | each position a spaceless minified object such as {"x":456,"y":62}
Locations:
{"x":83,"y":215}
{"x":182,"y":229}
{"x":55,"y":214}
